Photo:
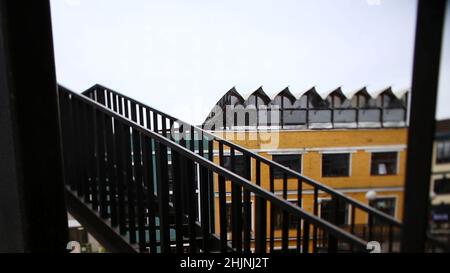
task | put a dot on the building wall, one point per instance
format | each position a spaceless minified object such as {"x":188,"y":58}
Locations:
{"x":311,"y":144}
{"x":438,"y":168}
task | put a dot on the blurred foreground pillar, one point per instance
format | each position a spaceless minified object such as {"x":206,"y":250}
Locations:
{"x":427,"y":57}
{"x":32,"y":211}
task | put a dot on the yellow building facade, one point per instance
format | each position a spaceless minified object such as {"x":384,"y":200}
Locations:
{"x":311,"y":146}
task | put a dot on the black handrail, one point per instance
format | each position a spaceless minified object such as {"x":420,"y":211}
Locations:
{"x":102,"y":186}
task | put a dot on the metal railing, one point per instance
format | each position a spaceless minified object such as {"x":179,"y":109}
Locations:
{"x":119,"y":169}
{"x":201,"y":140}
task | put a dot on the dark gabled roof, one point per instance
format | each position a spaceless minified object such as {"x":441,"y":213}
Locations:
{"x":443,"y":129}
{"x":313,"y":92}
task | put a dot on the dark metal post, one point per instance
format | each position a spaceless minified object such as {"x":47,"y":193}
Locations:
{"x":430,"y":21}
{"x":33,"y":215}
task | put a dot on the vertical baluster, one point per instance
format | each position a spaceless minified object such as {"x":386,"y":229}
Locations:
{"x":261,"y":225}
{"x":261,"y":216}
{"x":126,"y":108}
{"x":130,"y":185}
{"x":137,"y":166}
{"x":141,"y":115}
{"x":65,"y":130}
{"x":391,"y":238}
{"x":148,"y":172}
{"x":211,"y":187}
{"x":101,"y":164}
{"x":78,"y":162}
{"x":70,"y":147}
{"x":299,"y":203}
{"x":84,"y":108}
{"x":222,"y":205}
{"x":178,"y":197}
{"x":192,"y":204}
{"x":73,"y":149}
{"x":100,"y":96}
{"x":316,"y":212}
{"x":192,"y":137}
{"x":272,"y":210}
{"x":258,"y":172}
{"x":236,"y":204}
{"x":352,"y":223}
{"x":247,"y":207}
{"x":163,"y":196}
{"x":285,"y":224}
{"x":204,"y":208}
{"x":332,"y":240}
{"x":155,"y":122}
{"x":107,"y":96}
{"x":164,"y":126}
{"x":204,"y":198}
{"x":111,"y":170}
{"x":84,"y":136}
{"x":114,"y":102}
{"x":109,"y":165}
{"x":94,"y":158}
{"x":149,"y":119}
{"x":133,"y":111}
{"x":121,"y":174}
{"x":121,"y":105}
{"x":305,"y":245}
{"x":169,"y":132}
{"x":201,"y":149}
{"x":184,"y":186}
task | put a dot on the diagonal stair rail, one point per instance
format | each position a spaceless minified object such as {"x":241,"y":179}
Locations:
{"x":364,"y":221}
{"x":117,"y":180}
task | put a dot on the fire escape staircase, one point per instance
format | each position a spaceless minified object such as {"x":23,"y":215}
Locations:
{"x":138,"y":186}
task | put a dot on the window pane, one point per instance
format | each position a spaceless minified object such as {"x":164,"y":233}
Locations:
{"x":384,"y":163}
{"x":263,"y":118}
{"x":327,"y":210}
{"x":372,"y":115}
{"x":335,"y":165}
{"x":293,"y":162}
{"x":319,"y":116}
{"x":386,"y":205}
{"x":442,"y":186}
{"x":294,"y":117}
{"x":443,"y":152}
{"x":239,"y":164}
{"x":393,"y":115}
{"x":251,"y":117}
{"x":278,"y":218}
{"x":344,"y":115}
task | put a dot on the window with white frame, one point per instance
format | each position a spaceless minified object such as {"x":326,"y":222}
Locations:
{"x":443,"y":152}
{"x":384,"y":163}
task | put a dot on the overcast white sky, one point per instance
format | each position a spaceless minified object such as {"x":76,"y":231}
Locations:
{"x":182,"y":56}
